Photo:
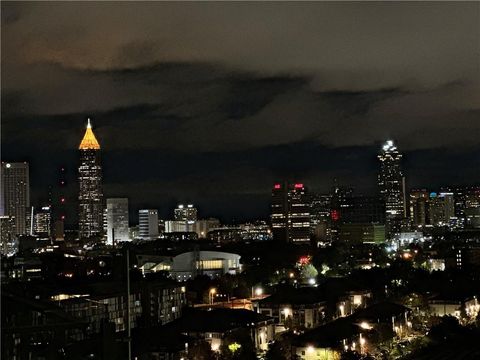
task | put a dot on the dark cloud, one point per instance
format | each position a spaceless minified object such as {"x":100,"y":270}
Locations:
{"x":212,"y":102}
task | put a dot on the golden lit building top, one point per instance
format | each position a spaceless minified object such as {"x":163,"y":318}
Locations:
{"x":89,"y":141}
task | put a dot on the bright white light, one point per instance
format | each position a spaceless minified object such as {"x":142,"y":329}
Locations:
{"x":311,"y":281}
{"x":310,"y":349}
{"x":258,"y":291}
{"x":286,"y":311}
{"x":365,"y":325}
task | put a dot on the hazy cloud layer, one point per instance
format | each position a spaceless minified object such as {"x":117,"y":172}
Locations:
{"x":288,"y":83}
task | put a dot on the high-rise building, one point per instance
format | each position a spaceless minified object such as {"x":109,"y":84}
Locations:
{"x":391,"y":184}
{"x":185,"y":213}
{"x":419,"y":215}
{"x":290,"y":213}
{"x":8,"y":244}
{"x":363,"y":210}
{"x":90,"y":217}
{"x":441,"y":208}
{"x":148,"y":224}
{"x":117,"y":220}
{"x":43,"y":222}
{"x":15,"y":194}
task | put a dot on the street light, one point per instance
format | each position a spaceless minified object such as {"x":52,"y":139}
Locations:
{"x":258,"y":291}
{"x":212,"y":293}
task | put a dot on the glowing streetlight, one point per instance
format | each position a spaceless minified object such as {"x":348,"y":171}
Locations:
{"x":365,"y":325}
{"x":258,"y":291}
{"x":212,"y":293}
{"x":310,"y":349}
{"x":342,"y":310}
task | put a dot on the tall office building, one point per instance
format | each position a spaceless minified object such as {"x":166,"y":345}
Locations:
{"x":290,"y":213}
{"x":43,"y":222}
{"x":148,"y":224}
{"x":391,"y":184}
{"x":419,"y":214}
{"x":8,"y":243}
{"x":441,"y":208}
{"x":117,"y":220}
{"x":185,"y":213}
{"x":15,"y":194}
{"x":90,"y":217}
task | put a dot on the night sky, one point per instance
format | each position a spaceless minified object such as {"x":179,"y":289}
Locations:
{"x":211,"y":103}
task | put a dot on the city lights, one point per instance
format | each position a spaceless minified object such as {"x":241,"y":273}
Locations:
{"x":365,"y":325}
{"x":273,"y":181}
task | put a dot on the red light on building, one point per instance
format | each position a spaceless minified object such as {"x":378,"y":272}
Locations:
{"x":335,"y":215}
{"x":304,"y":260}
{"x":62,"y":200}
{"x":63,"y":217}
{"x":277,"y":186}
{"x":298,"y":186}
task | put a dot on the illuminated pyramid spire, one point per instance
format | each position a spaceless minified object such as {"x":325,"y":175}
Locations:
{"x":89,"y":141}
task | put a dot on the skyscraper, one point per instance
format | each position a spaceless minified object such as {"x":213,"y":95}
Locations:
{"x":391,"y":184}
{"x":441,"y":208}
{"x":419,"y":211}
{"x":148,"y":224}
{"x":15,"y":194}
{"x":117,"y":220}
{"x":43,"y":222}
{"x":90,"y":217}
{"x":290,"y":213}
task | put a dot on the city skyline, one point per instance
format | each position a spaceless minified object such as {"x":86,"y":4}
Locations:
{"x":215,"y":129}
{"x":223,"y":180}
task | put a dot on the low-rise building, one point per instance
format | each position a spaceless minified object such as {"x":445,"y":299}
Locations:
{"x":212,"y":263}
{"x":215,"y":325}
{"x":296,"y":308}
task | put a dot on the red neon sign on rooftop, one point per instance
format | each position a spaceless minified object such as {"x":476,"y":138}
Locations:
{"x":277,"y":186}
{"x":298,"y":186}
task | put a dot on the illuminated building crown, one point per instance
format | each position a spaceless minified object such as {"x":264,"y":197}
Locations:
{"x":89,"y":141}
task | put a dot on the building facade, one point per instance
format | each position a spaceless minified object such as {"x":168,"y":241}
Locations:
{"x":290,"y":213}
{"x":15,"y":194}
{"x":441,"y":208}
{"x":43,"y":222}
{"x":391,"y":185}
{"x":117,"y":220}
{"x":90,"y":216}
{"x":148,"y":224}
{"x":185,"y":213}
{"x":418,"y":203}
